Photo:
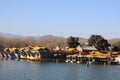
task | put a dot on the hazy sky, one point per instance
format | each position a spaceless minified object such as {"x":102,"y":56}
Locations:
{"x":65,"y":18}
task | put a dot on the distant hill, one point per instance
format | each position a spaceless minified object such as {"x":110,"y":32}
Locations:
{"x":113,"y":40}
{"x":81,"y":40}
{"x":8,"y":35}
{"x":48,"y":36}
{"x":52,"y":37}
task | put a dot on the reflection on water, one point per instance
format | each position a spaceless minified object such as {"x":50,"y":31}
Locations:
{"x":30,"y":70}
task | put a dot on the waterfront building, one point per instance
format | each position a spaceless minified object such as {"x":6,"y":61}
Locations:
{"x":88,"y":54}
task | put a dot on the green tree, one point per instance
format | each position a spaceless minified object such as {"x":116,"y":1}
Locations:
{"x":99,"y":42}
{"x":73,"y":42}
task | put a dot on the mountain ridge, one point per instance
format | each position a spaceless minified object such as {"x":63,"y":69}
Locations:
{"x":81,"y":40}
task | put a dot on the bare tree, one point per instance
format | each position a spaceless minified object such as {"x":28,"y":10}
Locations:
{"x":30,"y":41}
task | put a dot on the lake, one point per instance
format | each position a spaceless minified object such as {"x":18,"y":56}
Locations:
{"x":31,"y":70}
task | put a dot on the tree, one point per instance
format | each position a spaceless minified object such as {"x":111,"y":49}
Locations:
{"x":52,"y":41}
{"x":2,"y":39}
{"x":116,"y":46}
{"x":73,"y":42}
{"x":49,"y":42}
{"x":30,"y":41}
{"x":99,"y":42}
{"x":17,"y":42}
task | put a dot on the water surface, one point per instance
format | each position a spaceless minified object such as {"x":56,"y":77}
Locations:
{"x":30,"y":70}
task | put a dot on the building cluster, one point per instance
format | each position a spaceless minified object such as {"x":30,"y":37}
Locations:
{"x":89,"y":54}
{"x":80,"y":54}
{"x":32,"y":53}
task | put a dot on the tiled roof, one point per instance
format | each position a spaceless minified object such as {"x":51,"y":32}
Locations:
{"x":84,"y":47}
